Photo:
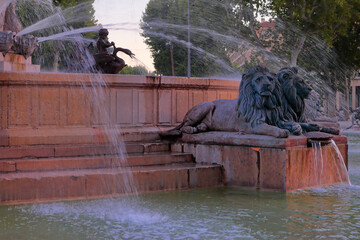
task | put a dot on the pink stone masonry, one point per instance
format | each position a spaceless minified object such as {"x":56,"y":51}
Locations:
{"x":17,"y":63}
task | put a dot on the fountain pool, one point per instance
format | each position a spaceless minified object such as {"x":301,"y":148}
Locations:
{"x":211,"y":213}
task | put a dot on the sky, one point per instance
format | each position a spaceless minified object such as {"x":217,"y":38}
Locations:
{"x":125,"y":15}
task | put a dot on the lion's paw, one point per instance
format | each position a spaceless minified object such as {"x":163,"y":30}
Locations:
{"x":189,"y":129}
{"x":296,"y":129}
{"x":312,"y":127}
{"x":202,"y":127}
{"x":283,"y":133}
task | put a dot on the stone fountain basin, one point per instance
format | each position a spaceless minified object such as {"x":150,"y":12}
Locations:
{"x":264,"y":162}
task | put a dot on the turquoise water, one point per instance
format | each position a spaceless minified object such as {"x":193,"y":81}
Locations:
{"x":213,"y":213}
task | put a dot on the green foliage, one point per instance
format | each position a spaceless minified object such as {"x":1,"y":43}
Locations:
{"x":168,"y":20}
{"x":319,"y":36}
{"x":55,"y":54}
{"x":326,"y":19}
{"x":137,"y":70}
{"x":66,"y":3}
{"x":347,"y":45}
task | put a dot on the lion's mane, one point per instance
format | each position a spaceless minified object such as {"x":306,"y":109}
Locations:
{"x":254,"y":108}
{"x":292,"y":105}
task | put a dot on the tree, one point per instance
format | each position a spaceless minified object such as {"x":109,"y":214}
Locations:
{"x":137,"y":70}
{"x":325,"y":19}
{"x":347,"y":45}
{"x":78,"y":13}
{"x":165,"y":21}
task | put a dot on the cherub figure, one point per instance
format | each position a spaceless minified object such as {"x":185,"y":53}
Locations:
{"x":109,"y":63}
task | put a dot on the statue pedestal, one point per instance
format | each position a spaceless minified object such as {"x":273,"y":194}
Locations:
{"x":17,"y":63}
{"x":264,"y":162}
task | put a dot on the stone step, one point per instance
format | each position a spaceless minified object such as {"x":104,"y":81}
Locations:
{"x":96,"y":183}
{"x":20,"y":136}
{"x":95,"y":162}
{"x":48,"y":151}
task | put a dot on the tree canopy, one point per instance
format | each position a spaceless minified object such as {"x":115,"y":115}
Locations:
{"x":304,"y":29}
{"x":137,"y":70}
{"x":328,"y":20}
{"x":165,"y":27}
{"x":77,"y":14}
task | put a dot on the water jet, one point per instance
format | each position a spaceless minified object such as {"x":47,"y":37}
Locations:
{"x":57,"y":122}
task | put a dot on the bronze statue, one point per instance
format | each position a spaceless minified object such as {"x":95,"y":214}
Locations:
{"x":6,"y":41}
{"x":109,"y":63}
{"x":294,"y":91}
{"x":256,"y":111}
{"x":268,"y":104}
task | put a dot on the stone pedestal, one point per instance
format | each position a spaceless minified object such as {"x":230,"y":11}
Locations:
{"x":264,"y":162}
{"x":17,"y":63}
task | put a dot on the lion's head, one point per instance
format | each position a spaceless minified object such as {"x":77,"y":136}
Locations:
{"x":294,"y":91}
{"x":291,"y":81}
{"x":259,"y":92}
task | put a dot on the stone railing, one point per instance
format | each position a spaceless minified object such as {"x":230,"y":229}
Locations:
{"x":65,"y":105}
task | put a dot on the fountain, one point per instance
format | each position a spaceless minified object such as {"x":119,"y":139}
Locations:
{"x":58,"y":121}
{"x":58,"y":143}
{"x":17,"y":45}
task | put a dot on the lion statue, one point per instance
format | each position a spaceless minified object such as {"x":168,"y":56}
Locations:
{"x":294,"y":91}
{"x":256,"y":111}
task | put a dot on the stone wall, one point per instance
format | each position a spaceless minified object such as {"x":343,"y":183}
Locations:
{"x":53,"y":108}
{"x":265,"y":162}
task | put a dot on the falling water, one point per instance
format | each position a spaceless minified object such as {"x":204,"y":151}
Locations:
{"x":340,"y":164}
{"x":318,"y":162}
{"x":141,"y":63}
{"x":335,"y":160}
{"x":79,"y":59}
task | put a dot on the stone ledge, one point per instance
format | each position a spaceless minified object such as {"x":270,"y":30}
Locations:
{"x":50,"y":136}
{"x":236,"y":139}
{"x":112,"y":80}
{"x":33,"y":187}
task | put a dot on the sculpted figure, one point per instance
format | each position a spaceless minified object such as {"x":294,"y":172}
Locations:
{"x":294,"y":91}
{"x":11,"y":21}
{"x":23,"y":45}
{"x":256,"y":111}
{"x":109,"y":63}
{"x":6,"y":41}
